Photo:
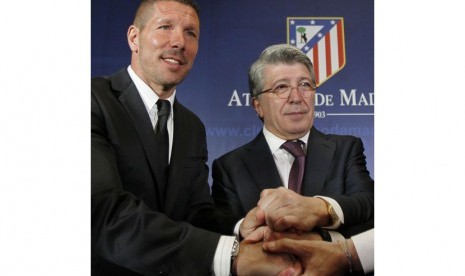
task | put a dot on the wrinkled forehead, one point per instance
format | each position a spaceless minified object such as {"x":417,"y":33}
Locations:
{"x":274,"y":72}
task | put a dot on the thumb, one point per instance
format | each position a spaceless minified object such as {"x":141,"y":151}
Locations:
{"x":257,"y":235}
{"x":287,"y":272}
{"x":260,"y":216}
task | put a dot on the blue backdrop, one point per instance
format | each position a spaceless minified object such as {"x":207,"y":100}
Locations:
{"x":340,"y":41}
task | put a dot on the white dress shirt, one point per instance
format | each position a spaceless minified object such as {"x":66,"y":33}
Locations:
{"x":150,"y":98}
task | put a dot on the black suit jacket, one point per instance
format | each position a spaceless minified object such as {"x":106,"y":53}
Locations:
{"x":139,"y":225}
{"x":335,"y":166}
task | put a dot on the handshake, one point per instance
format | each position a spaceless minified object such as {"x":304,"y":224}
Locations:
{"x":278,"y":238}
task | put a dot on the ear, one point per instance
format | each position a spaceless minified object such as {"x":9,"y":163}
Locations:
{"x":257,"y":106}
{"x":133,"y":38}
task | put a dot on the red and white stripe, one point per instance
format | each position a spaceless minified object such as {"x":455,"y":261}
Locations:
{"x":328,"y":55}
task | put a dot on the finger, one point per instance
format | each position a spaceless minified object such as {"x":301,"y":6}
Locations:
{"x":282,"y":246}
{"x":288,"y":272}
{"x":272,"y":209}
{"x":250,"y":220}
{"x":260,"y":216}
{"x":287,"y":222}
{"x":266,"y":197}
{"x":283,"y":219}
{"x":276,"y":199}
{"x":249,"y":223}
{"x":290,"y":234}
{"x":267,"y":234}
{"x":257,"y":235}
{"x":266,"y":192}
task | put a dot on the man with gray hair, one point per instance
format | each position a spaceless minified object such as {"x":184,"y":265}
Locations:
{"x":292,"y":176}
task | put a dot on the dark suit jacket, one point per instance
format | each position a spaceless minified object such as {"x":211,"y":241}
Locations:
{"x":335,"y":167}
{"x":141,"y":226}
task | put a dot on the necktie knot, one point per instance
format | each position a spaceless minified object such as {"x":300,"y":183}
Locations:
{"x":163,"y":107}
{"x":294,"y":148}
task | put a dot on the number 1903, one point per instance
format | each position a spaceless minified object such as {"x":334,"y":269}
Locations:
{"x":320,"y":114}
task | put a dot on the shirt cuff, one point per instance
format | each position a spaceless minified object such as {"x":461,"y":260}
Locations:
{"x":336,"y":236}
{"x":364,"y":245}
{"x":237,"y":229}
{"x":337,"y":208}
{"x":222,"y":261}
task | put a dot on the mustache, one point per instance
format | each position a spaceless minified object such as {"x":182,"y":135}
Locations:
{"x":296,"y":109}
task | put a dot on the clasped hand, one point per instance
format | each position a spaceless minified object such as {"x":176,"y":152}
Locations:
{"x":282,"y":223}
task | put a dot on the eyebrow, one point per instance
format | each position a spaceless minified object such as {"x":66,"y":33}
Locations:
{"x":170,"y":21}
{"x":164,"y":21}
{"x":288,"y":80}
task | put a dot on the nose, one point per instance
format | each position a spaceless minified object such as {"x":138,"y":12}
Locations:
{"x":294,"y":96}
{"x":177,"y":40}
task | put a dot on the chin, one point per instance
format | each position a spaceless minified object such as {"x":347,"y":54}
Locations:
{"x":172,"y":81}
{"x":302,"y":129}
{"x":176,"y":78}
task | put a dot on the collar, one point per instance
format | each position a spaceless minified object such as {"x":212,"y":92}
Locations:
{"x":274,"y":142}
{"x":149,"y":97}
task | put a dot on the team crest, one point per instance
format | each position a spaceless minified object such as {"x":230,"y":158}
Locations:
{"x":322,"y":39}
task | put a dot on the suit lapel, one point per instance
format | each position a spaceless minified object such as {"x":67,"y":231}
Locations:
{"x":320,"y":152}
{"x":135,"y":107}
{"x":260,"y":164}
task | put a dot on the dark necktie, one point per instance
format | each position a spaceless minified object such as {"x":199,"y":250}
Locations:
{"x":161,"y":136}
{"x":297,"y":169}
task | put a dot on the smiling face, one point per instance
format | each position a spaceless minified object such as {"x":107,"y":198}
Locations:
{"x":164,"y":48}
{"x":289,"y":118}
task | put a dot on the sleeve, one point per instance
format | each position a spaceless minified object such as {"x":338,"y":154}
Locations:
{"x":224,"y":192}
{"x":364,"y":245}
{"x":129,"y":234}
{"x":222,"y":262}
{"x":337,"y":209}
{"x":357,"y":201}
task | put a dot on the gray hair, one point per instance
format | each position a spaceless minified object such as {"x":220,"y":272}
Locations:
{"x":275,"y":54}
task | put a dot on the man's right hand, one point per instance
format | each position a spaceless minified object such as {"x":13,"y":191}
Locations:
{"x":318,"y":257}
{"x":253,"y":260}
{"x":284,"y":209}
{"x":253,"y":226}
